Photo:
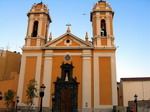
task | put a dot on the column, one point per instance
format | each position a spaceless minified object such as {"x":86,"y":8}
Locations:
{"x":47,"y":77}
{"x":86,"y":79}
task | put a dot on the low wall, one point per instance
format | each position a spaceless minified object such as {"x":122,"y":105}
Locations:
{"x":11,"y":84}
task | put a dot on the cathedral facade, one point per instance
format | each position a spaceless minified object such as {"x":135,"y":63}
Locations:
{"x":80,"y":73}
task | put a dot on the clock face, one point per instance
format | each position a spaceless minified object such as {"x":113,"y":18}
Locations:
{"x":67,"y":58}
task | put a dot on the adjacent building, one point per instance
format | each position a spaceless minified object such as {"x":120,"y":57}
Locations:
{"x":131,"y":86}
{"x":9,"y":72}
{"x":9,"y":63}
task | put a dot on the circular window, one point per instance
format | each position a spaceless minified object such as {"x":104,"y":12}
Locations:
{"x":68,"y":41}
{"x":67,"y":57}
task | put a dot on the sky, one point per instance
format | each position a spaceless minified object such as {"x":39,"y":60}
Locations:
{"x":131,"y":28}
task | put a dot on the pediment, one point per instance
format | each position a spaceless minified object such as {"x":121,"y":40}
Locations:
{"x":67,"y":40}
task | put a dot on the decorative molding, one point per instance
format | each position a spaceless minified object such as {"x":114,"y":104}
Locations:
{"x":63,"y":37}
{"x":32,"y":48}
{"x":48,"y":54}
{"x":67,"y":48}
{"x":64,"y":54}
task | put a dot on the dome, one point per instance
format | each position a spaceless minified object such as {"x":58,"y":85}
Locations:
{"x":39,"y":8}
{"x":40,"y":3}
{"x":102,"y":5}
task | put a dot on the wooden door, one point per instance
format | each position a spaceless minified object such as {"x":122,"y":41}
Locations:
{"x":65,"y":101}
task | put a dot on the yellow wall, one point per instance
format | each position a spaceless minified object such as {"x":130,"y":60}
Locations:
{"x":77,"y":72}
{"x":105,"y":81}
{"x":11,"y":84}
{"x":2,"y":66}
{"x":30,"y":70}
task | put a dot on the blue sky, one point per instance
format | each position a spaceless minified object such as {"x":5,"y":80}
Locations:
{"x":131,"y":28}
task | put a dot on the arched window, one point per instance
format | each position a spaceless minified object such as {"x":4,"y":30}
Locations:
{"x":103,"y":28}
{"x":35,"y":29}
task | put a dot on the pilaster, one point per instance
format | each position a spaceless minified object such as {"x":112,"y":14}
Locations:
{"x":38,"y":42}
{"x":98,"y":41}
{"x":48,"y":58}
{"x":38,"y":73}
{"x":31,"y":21}
{"x":109,"y":41}
{"x":21,"y":79}
{"x":108,"y":24}
{"x":98,"y":29}
{"x":86,"y":77}
{"x":40,"y":25}
{"x":28,"y":42}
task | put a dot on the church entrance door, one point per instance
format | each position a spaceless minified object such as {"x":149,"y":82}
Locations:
{"x":66,"y":91}
{"x":66,"y":101}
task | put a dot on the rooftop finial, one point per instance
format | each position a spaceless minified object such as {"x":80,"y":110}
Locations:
{"x":68,"y":30}
{"x":50,"y":36}
{"x":86,"y":36}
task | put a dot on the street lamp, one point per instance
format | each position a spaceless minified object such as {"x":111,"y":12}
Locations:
{"x":17,"y":101}
{"x":42,"y":95}
{"x":53,"y":100}
{"x":135,"y":101}
{"x":1,"y":95}
{"x":114,"y":108}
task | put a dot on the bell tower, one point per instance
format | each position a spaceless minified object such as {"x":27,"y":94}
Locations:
{"x":102,"y":22}
{"x":32,"y":56}
{"x":38,"y":24}
{"x":105,"y":86}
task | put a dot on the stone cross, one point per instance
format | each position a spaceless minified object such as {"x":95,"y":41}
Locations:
{"x":68,"y":24}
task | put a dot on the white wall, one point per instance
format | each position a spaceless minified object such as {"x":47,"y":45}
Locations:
{"x":130,"y":88}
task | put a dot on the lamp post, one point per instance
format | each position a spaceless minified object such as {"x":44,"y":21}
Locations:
{"x":1,"y":95}
{"x":17,"y":101}
{"x":42,"y":95}
{"x":53,"y":100}
{"x":135,"y":101}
